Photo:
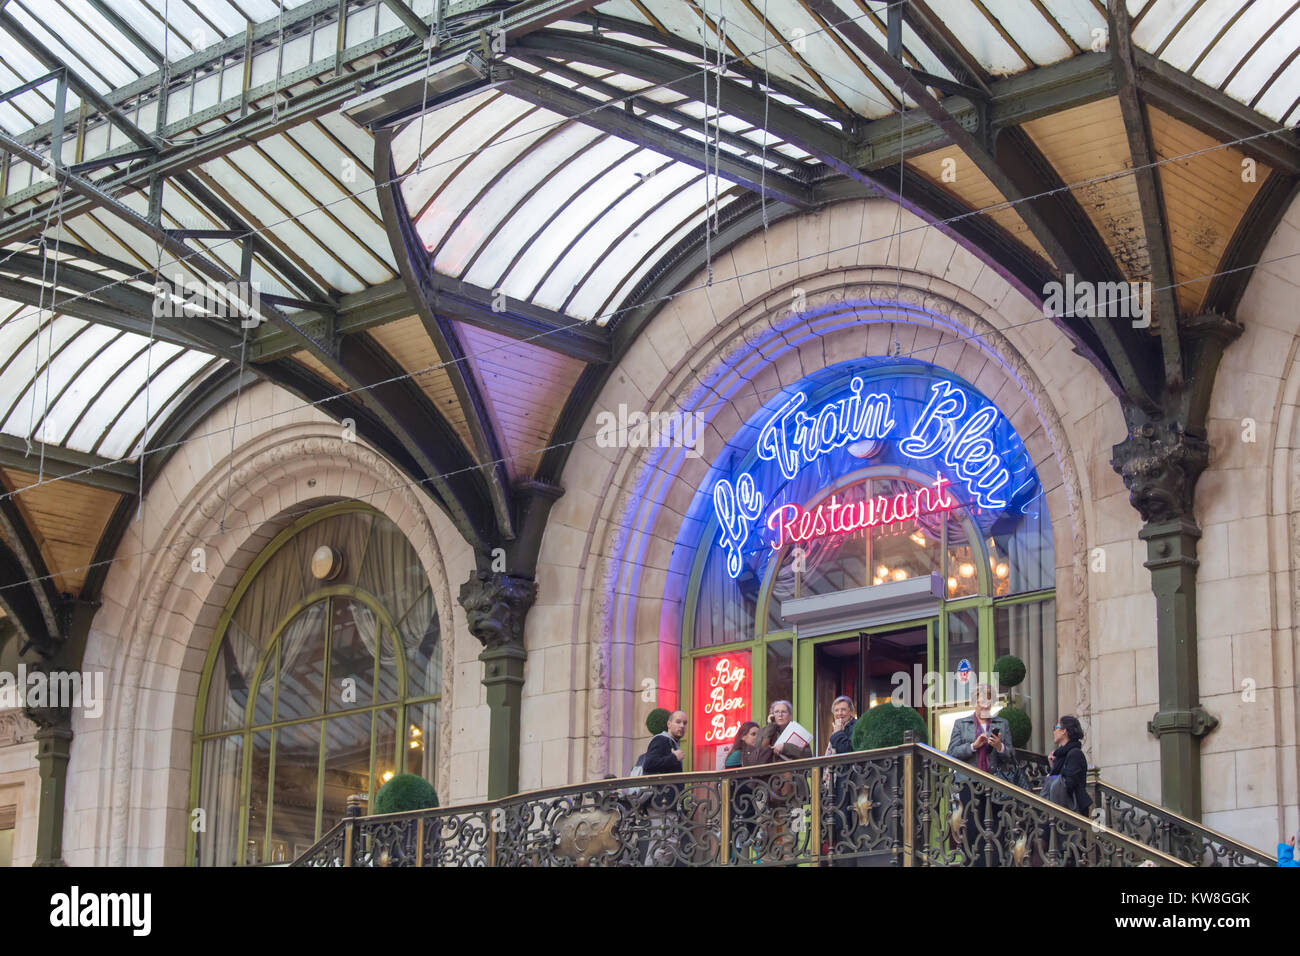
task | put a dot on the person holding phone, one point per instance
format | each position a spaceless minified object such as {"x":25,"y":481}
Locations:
{"x":984,"y":741}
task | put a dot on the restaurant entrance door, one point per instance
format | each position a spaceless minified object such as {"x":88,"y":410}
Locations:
{"x":862,"y":665}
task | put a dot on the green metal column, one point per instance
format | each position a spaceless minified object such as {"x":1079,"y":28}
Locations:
{"x":53,"y":746}
{"x":496,"y":605}
{"x":1160,"y":461}
{"x":503,"y":676}
{"x":1181,"y":721}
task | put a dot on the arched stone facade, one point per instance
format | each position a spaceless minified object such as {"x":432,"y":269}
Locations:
{"x":129,"y":774}
{"x":719,"y":350}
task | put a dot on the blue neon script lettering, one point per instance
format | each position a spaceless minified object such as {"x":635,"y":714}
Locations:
{"x":968,"y":450}
{"x":853,"y":418}
{"x":793,"y":437}
{"x":737,"y":507}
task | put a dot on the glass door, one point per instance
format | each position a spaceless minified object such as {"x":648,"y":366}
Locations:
{"x":869,"y":666}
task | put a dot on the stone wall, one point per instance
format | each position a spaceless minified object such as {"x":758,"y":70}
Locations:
{"x":20,"y":781}
{"x":604,"y":636}
{"x":129,"y":774}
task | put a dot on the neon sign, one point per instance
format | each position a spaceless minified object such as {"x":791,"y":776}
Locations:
{"x":793,"y":437}
{"x":858,"y":417}
{"x":792,"y":523}
{"x":722,"y":696}
{"x":968,"y":449}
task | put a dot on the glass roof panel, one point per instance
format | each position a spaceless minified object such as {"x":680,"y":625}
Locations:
{"x":1032,"y":31}
{"x":63,"y":416}
{"x":1230,"y":51}
{"x":1265,"y":61}
{"x":670,"y":239}
{"x":16,"y":391}
{"x":979,"y":37}
{"x":1189,"y":41}
{"x":48,"y":387}
{"x":507,"y":244}
{"x":167,"y":378}
{"x":451,"y":138}
{"x":684,"y":20}
{"x":512,"y":189}
{"x":600,"y":187}
{"x":123,"y":384}
{"x":500,"y":195}
{"x":653,"y":180}
{"x":503,"y":146}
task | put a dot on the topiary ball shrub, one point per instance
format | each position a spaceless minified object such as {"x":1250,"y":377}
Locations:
{"x":884,"y":725}
{"x":1010,"y":670}
{"x":405,"y":792}
{"x":657,"y":722}
{"x":1021,"y":725}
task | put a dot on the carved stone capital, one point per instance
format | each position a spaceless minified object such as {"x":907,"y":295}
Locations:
{"x":495,"y":606}
{"x":1198,"y":722}
{"x":15,"y":727}
{"x":1160,"y":464}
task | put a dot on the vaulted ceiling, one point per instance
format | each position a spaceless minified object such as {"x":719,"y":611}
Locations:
{"x":458,"y":264}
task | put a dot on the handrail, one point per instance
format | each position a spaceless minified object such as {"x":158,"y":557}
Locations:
{"x":905,"y":805}
{"x":997,"y":784}
{"x":1197,"y":843}
{"x":1153,"y":824}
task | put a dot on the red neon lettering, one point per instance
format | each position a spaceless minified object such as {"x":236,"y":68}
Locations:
{"x":792,"y":523}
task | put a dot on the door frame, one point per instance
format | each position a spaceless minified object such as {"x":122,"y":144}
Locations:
{"x":804,"y":687}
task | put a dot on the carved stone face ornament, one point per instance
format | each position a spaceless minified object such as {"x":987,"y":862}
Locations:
{"x":495,"y":605}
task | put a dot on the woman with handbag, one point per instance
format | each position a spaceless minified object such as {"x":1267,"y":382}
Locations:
{"x":1066,"y":785}
{"x":985,"y":742}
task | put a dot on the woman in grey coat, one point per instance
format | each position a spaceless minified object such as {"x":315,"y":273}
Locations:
{"x":983,"y":741}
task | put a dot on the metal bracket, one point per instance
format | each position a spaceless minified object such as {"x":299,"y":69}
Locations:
{"x":1198,"y":722}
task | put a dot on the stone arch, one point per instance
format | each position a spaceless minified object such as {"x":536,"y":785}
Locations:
{"x":847,"y":310}
{"x":162,"y":616}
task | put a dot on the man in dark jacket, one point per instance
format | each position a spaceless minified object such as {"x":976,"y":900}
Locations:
{"x":665,"y":755}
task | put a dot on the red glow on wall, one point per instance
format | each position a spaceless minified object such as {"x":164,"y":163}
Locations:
{"x":722,"y":697}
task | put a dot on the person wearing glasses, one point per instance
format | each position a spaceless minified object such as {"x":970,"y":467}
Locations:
{"x":1068,"y":762}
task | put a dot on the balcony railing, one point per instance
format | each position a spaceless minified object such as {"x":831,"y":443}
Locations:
{"x":1155,"y":826}
{"x":901,"y":806}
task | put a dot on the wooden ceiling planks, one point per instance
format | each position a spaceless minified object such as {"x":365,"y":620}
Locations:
{"x":1205,"y":196}
{"x":1088,"y":145}
{"x":66,"y":520}
{"x":525,"y":387}
{"x":410,"y":346}
{"x":970,"y":185}
{"x":309,"y":361}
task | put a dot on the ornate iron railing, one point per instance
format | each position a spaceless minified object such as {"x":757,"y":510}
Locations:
{"x":1153,"y":825}
{"x":900,"y":806}
{"x":1174,"y":835}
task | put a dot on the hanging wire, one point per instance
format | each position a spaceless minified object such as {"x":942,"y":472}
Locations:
{"x":767,"y":99}
{"x":279,"y":62}
{"x":430,"y":42}
{"x":49,"y":348}
{"x":159,"y":288}
{"x":704,"y":56}
{"x":717,"y":117}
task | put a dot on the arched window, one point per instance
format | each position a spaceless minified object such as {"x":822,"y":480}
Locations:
{"x":323,"y":680}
